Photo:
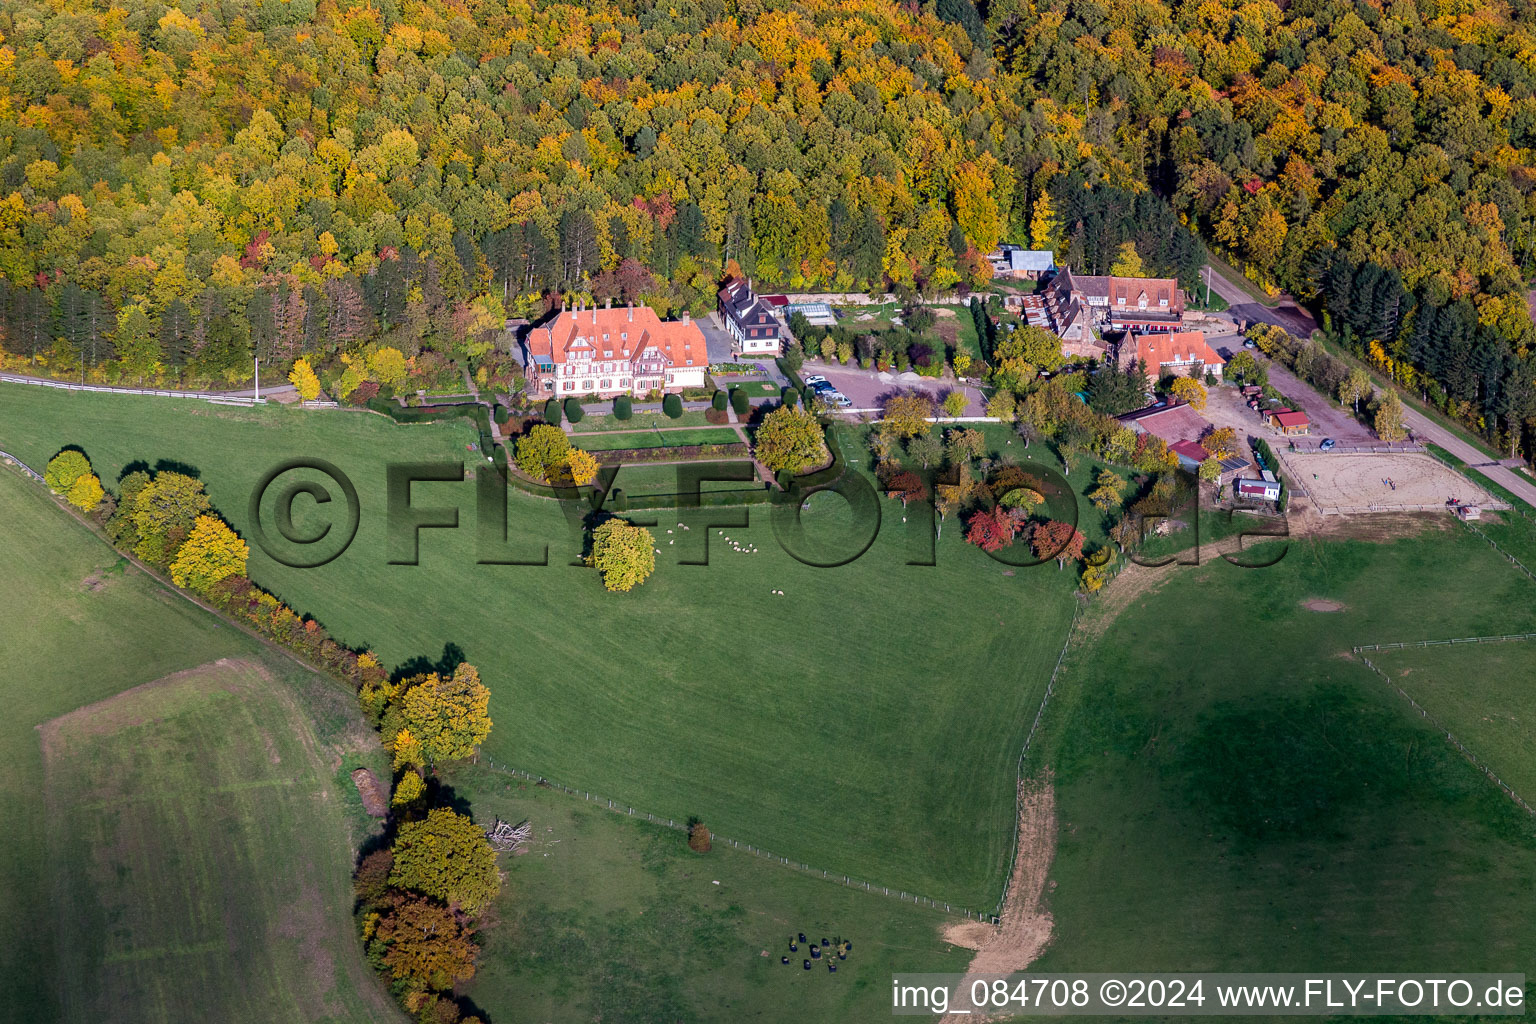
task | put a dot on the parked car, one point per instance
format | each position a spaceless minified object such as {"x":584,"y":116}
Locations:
{"x":1247,"y":343}
{"x":1327,"y":444}
{"x":815,"y":379}
{"x":822,"y":386}
{"x":839,"y":399}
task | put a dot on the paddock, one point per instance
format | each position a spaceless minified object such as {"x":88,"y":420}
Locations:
{"x":1396,"y":482}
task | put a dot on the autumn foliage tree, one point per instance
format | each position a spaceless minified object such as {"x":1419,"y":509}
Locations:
{"x":1187,"y":389}
{"x":623,"y":553}
{"x":790,"y":439}
{"x":423,"y":944}
{"x":445,"y":856}
{"x":992,"y":529}
{"x":1058,"y":540}
{"x":448,"y":714}
{"x":907,"y":414}
{"x":64,"y":469}
{"x":164,"y":512}
{"x":906,"y":486}
{"x":212,"y":552}
{"x":303,"y":378}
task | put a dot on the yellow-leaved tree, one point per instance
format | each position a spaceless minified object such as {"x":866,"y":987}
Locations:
{"x":212,"y":552}
{"x":1187,"y":389}
{"x":302,"y":377}
{"x":85,"y":493}
{"x":449,"y":715}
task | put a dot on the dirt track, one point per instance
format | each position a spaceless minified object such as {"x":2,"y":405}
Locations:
{"x":1026,"y":925}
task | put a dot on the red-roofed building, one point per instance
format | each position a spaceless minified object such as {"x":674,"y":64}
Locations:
{"x":1181,"y":353}
{"x":1289,"y":422}
{"x":1172,"y":422}
{"x":610,"y":352}
{"x":1191,"y":454}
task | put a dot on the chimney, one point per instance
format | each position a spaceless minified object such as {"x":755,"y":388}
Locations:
{"x":594,"y":315}
{"x":685,"y":318}
{"x":573,"y":315}
{"x":631,"y":312}
{"x":607,"y":303}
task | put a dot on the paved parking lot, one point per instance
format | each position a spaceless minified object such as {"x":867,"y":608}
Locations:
{"x":867,"y":388}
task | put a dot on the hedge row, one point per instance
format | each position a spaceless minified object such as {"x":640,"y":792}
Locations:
{"x":678,"y":453}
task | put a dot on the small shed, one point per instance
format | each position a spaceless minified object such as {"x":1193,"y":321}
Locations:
{"x":1466,"y":512}
{"x":1290,"y":422}
{"x":1258,"y":490}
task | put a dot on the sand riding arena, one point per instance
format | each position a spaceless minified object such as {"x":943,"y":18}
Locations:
{"x":1386,"y":482}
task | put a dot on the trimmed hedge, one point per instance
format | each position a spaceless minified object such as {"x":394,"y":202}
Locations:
{"x":674,"y":453}
{"x":552,"y":412}
{"x":623,"y":408}
{"x":502,"y":412}
{"x":573,"y":410}
{"x":740,"y":402}
{"x":719,"y":401}
{"x":672,"y":406}
{"x":716,"y":417}
{"x":790,"y":396}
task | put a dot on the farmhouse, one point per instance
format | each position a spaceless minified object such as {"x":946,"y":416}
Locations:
{"x":1020,"y":264}
{"x":1078,"y":305}
{"x":1145,"y":305}
{"x":1291,"y":423}
{"x":1173,"y":422}
{"x":749,"y":319}
{"x":1180,"y":354}
{"x":610,"y":352}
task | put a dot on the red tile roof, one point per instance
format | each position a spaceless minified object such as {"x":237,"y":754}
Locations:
{"x":626,"y":332}
{"x":1179,"y":347}
{"x":1287,"y":418}
{"x":1190,"y":450}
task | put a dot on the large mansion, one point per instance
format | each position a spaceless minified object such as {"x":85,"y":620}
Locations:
{"x":611,"y":352}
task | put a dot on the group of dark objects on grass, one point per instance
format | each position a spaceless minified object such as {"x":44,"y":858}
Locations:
{"x":840,"y":947}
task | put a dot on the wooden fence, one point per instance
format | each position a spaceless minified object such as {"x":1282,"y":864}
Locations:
{"x":619,"y":807}
{"x":1450,"y":736}
{"x":1505,"y":638}
{"x":8,"y":457}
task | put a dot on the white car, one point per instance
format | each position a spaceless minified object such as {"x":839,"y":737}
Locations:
{"x":815,"y":378}
{"x":839,"y":399}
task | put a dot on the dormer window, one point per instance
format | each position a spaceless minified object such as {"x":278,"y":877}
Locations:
{"x":608,"y":354}
{"x":1162,"y":302}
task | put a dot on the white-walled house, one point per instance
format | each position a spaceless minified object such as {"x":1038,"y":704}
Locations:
{"x":614,"y":351}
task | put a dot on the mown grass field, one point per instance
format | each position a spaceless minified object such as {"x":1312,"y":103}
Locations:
{"x":611,"y":918}
{"x":1236,"y":791}
{"x":873,"y":731}
{"x":1483,"y":693}
{"x":199,"y":856}
{"x":655,"y":439}
{"x":600,"y":419}
{"x":79,"y":627}
{"x":639,"y":478}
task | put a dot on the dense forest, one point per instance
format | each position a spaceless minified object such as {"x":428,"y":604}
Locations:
{"x":183,"y":186}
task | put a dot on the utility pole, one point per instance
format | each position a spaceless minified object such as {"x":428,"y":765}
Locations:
{"x":258,"y":380}
{"x":1207,"y":286}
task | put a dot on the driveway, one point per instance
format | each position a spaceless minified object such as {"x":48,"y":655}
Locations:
{"x":1287,"y":314}
{"x":867,"y":388}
